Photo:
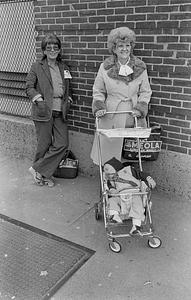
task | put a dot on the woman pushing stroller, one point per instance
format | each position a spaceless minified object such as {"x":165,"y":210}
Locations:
{"x":121,"y":84}
{"x":121,"y":94}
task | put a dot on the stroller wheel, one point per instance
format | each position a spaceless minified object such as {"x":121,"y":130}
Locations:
{"x":97,"y":212}
{"x":115,"y":246}
{"x":154,"y":242}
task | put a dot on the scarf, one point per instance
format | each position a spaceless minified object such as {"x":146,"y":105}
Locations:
{"x":113,"y":68}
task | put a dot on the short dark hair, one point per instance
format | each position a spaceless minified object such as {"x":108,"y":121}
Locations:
{"x":50,"y":39}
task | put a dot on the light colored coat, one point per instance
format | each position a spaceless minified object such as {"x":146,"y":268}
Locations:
{"x":118,"y":93}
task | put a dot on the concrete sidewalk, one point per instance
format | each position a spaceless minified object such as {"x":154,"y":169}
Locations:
{"x":67,"y":210}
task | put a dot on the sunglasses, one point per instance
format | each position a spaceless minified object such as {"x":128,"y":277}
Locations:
{"x":52,"y":48}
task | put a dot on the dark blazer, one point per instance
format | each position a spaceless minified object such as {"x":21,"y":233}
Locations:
{"x":39,"y":81}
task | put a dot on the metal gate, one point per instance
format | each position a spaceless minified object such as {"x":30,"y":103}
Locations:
{"x":17,"y":52}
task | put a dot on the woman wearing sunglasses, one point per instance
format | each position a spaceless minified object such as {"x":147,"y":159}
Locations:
{"x":48,"y":87}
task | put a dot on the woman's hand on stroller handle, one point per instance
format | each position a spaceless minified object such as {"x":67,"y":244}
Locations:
{"x":100,"y":113}
{"x":136,"y":113}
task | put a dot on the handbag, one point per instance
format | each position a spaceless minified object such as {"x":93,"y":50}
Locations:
{"x":68,"y":167}
{"x":149,"y":147}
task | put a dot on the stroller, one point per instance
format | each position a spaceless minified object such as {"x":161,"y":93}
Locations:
{"x":115,"y":231}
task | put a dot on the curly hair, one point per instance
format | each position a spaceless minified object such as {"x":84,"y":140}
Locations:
{"x":50,"y":39}
{"x":121,"y":34}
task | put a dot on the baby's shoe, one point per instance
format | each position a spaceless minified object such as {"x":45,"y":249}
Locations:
{"x":151,"y":182}
{"x":116,"y":219}
{"x":135,"y":230}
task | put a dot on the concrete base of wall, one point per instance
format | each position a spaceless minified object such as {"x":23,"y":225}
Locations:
{"x":172,"y":171}
{"x":17,"y":136}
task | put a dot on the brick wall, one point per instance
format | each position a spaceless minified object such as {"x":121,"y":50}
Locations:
{"x":163,"y":42}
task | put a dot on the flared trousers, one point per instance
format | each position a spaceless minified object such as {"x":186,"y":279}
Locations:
{"x":52,"y":142}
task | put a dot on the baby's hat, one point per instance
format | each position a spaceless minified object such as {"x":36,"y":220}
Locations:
{"x":115,"y":163}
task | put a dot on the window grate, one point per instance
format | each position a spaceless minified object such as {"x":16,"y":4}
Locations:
{"x":17,"y":42}
{"x":14,"y":1}
{"x":13,"y":98}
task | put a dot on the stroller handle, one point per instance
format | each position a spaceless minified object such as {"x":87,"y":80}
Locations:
{"x":117,"y":112}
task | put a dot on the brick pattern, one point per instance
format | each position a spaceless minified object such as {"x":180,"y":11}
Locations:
{"x":163,"y":43}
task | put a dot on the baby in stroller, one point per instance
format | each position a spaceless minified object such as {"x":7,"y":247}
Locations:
{"x":124,"y":179}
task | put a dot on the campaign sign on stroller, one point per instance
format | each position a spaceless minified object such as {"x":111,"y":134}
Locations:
{"x":149,"y":147}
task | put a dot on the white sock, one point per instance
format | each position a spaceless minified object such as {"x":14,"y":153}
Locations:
{"x":136,"y":222}
{"x":117,"y":218}
{"x":112,"y":212}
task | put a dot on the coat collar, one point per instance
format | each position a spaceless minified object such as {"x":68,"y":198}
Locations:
{"x":112,"y":67}
{"x":45,"y":67}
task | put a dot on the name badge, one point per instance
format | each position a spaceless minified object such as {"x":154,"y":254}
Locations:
{"x":67,"y":74}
